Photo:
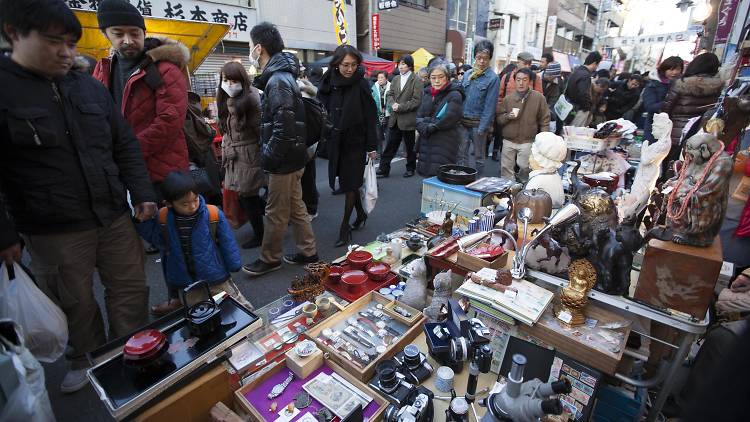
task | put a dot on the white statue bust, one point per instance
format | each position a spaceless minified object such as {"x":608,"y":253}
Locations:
{"x":547,"y":155}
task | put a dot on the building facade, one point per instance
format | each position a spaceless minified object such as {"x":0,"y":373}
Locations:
{"x":516,"y":27}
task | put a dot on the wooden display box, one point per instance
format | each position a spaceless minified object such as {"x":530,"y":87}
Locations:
{"x":548,"y":329}
{"x":250,"y":409}
{"x":679,"y":277}
{"x":414,"y":325}
{"x":473,"y":263}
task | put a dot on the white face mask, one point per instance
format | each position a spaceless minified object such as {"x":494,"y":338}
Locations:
{"x":231,"y":88}
{"x":254,"y":60}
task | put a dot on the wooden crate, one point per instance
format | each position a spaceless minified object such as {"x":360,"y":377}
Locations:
{"x":250,"y":409}
{"x":473,"y":263}
{"x":548,"y":329}
{"x":364,"y":374}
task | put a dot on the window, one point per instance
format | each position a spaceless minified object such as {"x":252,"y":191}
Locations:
{"x":458,"y":15}
{"x":515,"y":31}
{"x":422,"y":4}
{"x":537,"y":33}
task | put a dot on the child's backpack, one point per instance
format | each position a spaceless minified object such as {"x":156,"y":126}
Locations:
{"x":213,"y":223}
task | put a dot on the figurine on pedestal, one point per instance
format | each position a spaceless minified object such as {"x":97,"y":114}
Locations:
{"x":573,"y":297}
{"x":698,"y":200}
{"x":443,"y":290}
{"x":547,"y":154}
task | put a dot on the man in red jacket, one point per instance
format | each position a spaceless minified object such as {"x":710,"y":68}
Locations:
{"x":145,"y":78}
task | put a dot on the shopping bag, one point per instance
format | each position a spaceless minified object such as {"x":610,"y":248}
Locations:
{"x":44,"y":325}
{"x":232,"y":210}
{"x":562,"y":107}
{"x":369,"y":189}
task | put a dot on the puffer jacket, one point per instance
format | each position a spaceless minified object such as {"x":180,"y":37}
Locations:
{"x":282,"y":123}
{"x":438,"y":136}
{"x":212,"y":262}
{"x":690,"y":97}
{"x":155,"y":103}
{"x":653,"y":99}
{"x":67,"y":157}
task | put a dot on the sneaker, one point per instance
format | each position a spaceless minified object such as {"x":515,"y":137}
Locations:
{"x":299,"y":259}
{"x":259,"y":267}
{"x":74,"y":380}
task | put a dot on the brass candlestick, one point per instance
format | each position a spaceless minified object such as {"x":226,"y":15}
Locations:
{"x":573,"y":297}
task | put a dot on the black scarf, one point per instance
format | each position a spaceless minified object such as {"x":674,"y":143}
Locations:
{"x":353,"y":105}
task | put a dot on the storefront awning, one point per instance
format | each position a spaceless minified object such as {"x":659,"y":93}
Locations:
{"x":199,"y":37}
{"x":421,"y":58}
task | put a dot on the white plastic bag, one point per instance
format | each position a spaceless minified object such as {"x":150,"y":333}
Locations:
{"x":369,"y":189}
{"x":44,"y":325}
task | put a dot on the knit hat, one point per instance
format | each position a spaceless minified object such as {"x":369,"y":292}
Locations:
{"x":525,"y":56}
{"x":118,"y":13}
{"x":549,"y":150}
{"x":408,"y":59}
{"x":553,"y":69}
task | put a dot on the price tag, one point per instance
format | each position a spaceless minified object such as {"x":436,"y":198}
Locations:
{"x":565,"y":317}
{"x":511,"y":294}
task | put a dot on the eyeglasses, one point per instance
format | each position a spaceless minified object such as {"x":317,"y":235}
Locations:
{"x":461,"y":73}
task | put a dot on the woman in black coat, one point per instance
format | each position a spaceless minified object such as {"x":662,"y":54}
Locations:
{"x":351,"y":110}
{"x":437,"y":122}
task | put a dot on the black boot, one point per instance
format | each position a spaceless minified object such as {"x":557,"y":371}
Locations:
{"x":345,"y":236}
{"x":254,"y":207}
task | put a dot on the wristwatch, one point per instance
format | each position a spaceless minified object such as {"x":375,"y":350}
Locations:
{"x":279,"y":388}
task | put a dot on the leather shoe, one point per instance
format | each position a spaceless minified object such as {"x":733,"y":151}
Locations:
{"x":409,"y":173}
{"x":166,"y":307}
{"x":380,"y":173}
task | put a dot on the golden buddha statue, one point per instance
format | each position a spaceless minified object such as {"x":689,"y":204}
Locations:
{"x":573,"y":297}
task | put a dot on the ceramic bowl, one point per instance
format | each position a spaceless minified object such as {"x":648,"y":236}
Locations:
{"x":378,"y":271}
{"x":323,"y":303}
{"x":359,"y":260}
{"x":334,"y":277}
{"x":354,"y":280}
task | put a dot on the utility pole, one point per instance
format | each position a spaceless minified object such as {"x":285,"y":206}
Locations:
{"x":583,"y":29}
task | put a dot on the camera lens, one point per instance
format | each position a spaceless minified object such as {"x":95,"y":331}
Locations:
{"x":387,"y":376}
{"x":391,"y":413}
{"x":459,"y":349}
{"x":412,"y":356}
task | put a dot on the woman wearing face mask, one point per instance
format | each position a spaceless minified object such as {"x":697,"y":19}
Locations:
{"x":346,"y":95}
{"x":437,"y":122}
{"x":238,"y":102}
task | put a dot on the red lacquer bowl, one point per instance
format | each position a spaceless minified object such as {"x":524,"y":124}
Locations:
{"x":378,"y":271}
{"x":354,"y":280}
{"x":334,"y":277}
{"x":359,"y":259}
{"x":144,"y":345}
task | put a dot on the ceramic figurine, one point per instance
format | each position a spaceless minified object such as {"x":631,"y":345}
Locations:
{"x":443,"y":291}
{"x":598,"y":214}
{"x":573,"y":297}
{"x":446,"y":228}
{"x":647,"y":174}
{"x":698,"y":200}
{"x":389,"y":257}
{"x":547,"y":155}
{"x":415,"y":293}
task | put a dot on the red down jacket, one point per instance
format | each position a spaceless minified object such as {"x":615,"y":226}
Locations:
{"x":155,"y":105}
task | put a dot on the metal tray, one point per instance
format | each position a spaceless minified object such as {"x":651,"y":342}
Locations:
{"x":124,"y":393}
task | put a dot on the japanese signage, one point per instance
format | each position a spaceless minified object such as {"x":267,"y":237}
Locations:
{"x":387,"y":4}
{"x":240,"y":19}
{"x":469,"y":52}
{"x":495,"y":23}
{"x":339,"y":22}
{"x":652,"y":39}
{"x":727,"y":10}
{"x":550,"y":32}
{"x":375,"y":31}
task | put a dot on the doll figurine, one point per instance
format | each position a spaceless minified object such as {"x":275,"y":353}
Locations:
{"x":547,"y":155}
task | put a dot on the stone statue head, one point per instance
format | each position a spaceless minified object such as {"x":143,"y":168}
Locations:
{"x":700,"y":147}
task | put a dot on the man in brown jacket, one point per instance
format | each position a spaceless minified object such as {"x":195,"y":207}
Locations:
{"x":523,"y":115}
{"x":404,"y":98}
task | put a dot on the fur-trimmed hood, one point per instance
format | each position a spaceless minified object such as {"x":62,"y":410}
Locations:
{"x":699,"y":85}
{"x":166,"y":49}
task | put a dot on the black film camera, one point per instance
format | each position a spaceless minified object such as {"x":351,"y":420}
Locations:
{"x":413,"y":365}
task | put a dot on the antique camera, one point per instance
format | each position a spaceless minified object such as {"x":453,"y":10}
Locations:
{"x":418,"y":408}
{"x":413,"y":365}
{"x":473,"y":344}
{"x":439,"y":336}
{"x":391,"y":383}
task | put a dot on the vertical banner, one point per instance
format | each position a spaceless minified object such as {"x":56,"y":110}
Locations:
{"x":375,"y":31}
{"x":727,"y":10}
{"x":339,"y":21}
{"x":469,"y":51}
{"x":549,"y":35}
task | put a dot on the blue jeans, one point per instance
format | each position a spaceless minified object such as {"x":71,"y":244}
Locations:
{"x":469,"y":135}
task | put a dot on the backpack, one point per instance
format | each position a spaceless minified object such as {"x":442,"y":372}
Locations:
{"x":317,"y":125}
{"x":213,"y":224}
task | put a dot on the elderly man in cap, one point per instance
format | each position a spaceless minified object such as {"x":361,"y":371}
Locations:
{"x":508,"y":82}
{"x":145,"y":78}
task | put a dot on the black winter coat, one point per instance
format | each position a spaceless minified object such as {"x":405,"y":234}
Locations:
{"x":282,"y":123}
{"x":439,"y":137}
{"x":353,"y":116}
{"x":621,"y":100}
{"x":578,"y":91}
{"x":67,"y":156}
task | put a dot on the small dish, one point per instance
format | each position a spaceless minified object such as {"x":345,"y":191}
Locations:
{"x":305,"y":348}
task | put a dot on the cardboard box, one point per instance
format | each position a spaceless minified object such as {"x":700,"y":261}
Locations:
{"x":250,"y":408}
{"x":414,"y":327}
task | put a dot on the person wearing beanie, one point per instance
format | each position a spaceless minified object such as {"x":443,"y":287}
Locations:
{"x":146,"y":81}
{"x":547,"y":155}
{"x":403,"y":99}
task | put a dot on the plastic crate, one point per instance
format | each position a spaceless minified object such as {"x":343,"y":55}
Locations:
{"x":582,"y":139}
{"x":614,"y":406}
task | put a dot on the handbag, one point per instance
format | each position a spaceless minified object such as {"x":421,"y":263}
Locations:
{"x":369,"y":189}
{"x":232,"y":210}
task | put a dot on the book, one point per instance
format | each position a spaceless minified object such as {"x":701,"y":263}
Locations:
{"x":442,"y":112}
{"x":524,"y":301}
{"x":486,"y":309}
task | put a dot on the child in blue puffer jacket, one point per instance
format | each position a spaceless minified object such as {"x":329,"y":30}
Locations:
{"x":194,"y":238}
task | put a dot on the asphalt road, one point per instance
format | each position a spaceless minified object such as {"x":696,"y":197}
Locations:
{"x":399,"y":201}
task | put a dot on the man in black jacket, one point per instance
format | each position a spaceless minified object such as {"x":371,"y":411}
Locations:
{"x":67,"y":158}
{"x":578,"y":90}
{"x":283,"y":153}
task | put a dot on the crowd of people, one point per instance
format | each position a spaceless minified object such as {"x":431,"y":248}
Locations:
{"x":89,"y":160}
